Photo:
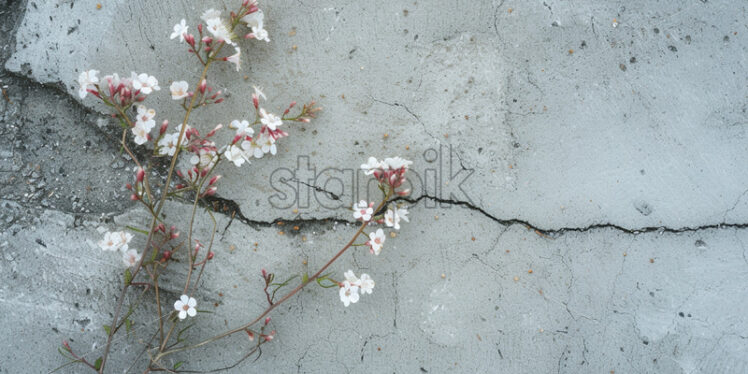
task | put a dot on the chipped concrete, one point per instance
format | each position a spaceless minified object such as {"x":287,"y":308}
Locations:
{"x":598,"y":144}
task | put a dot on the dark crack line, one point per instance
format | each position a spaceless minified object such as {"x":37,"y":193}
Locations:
{"x":560,"y":231}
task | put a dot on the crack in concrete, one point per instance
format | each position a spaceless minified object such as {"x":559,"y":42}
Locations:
{"x":553,"y":233}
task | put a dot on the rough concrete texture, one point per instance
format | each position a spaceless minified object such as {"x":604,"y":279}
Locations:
{"x":599,"y":144}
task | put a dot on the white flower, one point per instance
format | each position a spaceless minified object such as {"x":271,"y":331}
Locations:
{"x":258,"y":93}
{"x":371,"y":166}
{"x":267,"y":143}
{"x":168,"y":144}
{"x":255,"y":149}
{"x":185,"y":306}
{"x":393,"y":216}
{"x":237,"y":154}
{"x":396,"y":163}
{"x":219,"y":30}
{"x":179,"y":90}
{"x":141,"y":131}
{"x":269,"y":119}
{"x":235,"y":58}
{"x":117,"y":240}
{"x":85,"y":80}
{"x":362,"y":211}
{"x":256,"y":21}
{"x":376,"y":241}
{"x":131,"y":257}
{"x":241,"y":127}
{"x":348,"y":293}
{"x":366,"y":284}
{"x":145,"y":114}
{"x":205,"y":159}
{"x":179,"y":30}
{"x":145,"y":83}
{"x":351,"y":277}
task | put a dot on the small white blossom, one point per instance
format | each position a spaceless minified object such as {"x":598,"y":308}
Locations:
{"x":85,"y":80}
{"x":351,"y":277}
{"x":256,"y":21}
{"x":219,"y":30}
{"x":255,"y":149}
{"x":179,"y":30}
{"x":168,"y":144}
{"x":362,"y":211}
{"x":145,"y":115}
{"x":179,"y":90}
{"x":237,"y":154}
{"x":269,"y":119}
{"x":236,"y":58}
{"x":185,"y":306}
{"x":371,"y":166}
{"x":205,"y":159}
{"x":394,"y":215}
{"x":267,"y":143}
{"x":114,"y":241}
{"x":348,"y":293}
{"x":131,"y":257}
{"x":145,"y":83}
{"x":366,"y":284}
{"x":141,"y":131}
{"x":376,"y":241}
{"x":241,"y":127}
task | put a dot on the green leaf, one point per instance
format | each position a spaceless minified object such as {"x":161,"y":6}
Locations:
{"x":128,"y":276}
{"x":178,"y":365}
{"x":325,"y":278}
{"x":107,"y":328}
{"x":305,"y":278}
{"x":144,"y":232}
{"x":97,"y":364}
{"x":128,"y":326}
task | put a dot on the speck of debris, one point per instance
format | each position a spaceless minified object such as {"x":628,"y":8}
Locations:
{"x":41,"y":243}
{"x":622,"y":67}
{"x":672,"y":48}
{"x":632,"y":60}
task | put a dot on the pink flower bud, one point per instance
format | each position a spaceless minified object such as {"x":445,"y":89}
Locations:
{"x":164,"y":127}
{"x":211,"y":191}
{"x":134,"y":197}
{"x":218,"y":101}
{"x":207,"y":40}
{"x":180,"y":174}
{"x":190,"y":39}
{"x":203,"y":86}
{"x":267,"y":320}
{"x":166,"y":256}
{"x":251,"y":335}
{"x":269,"y":337}
{"x":264,"y":273}
{"x":128,"y":186}
{"x":140,"y":175}
{"x":255,"y":101}
{"x":237,"y":138}
{"x":405,"y":192}
{"x":214,"y":180}
{"x":210,"y":255}
{"x":200,"y":28}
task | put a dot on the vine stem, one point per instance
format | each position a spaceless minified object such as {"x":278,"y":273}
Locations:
{"x":287,"y":296}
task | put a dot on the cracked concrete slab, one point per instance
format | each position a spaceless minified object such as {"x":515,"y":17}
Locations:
{"x":598,"y":144}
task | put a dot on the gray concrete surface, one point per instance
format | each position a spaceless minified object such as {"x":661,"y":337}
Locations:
{"x":599,"y":143}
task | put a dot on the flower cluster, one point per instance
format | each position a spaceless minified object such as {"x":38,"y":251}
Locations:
{"x":390,"y":172}
{"x":352,"y":286}
{"x":116,"y":90}
{"x":118,"y":241}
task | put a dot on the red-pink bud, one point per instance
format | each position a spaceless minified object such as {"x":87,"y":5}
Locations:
{"x":255,"y":101}
{"x":245,"y":2}
{"x":264,"y":273}
{"x":214,"y":180}
{"x":128,"y":186}
{"x":237,"y":138}
{"x":211,"y":191}
{"x":134,"y":197}
{"x":267,"y":320}
{"x":139,"y":175}
{"x":203,"y":86}
{"x":269,"y":337}
{"x":207,"y":40}
{"x":164,"y":127}
{"x":210,"y":255}
{"x":180,"y":174}
{"x":218,"y":101}
{"x":166,"y":256}
{"x":190,"y":39}
{"x":200,"y":28}
{"x":251,"y":335}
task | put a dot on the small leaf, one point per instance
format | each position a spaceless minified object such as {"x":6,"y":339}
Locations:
{"x":178,"y":365}
{"x":107,"y":328}
{"x":128,"y":325}
{"x":305,"y":278}
{"x":97,"y":364}
{"x":128,"y":276}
